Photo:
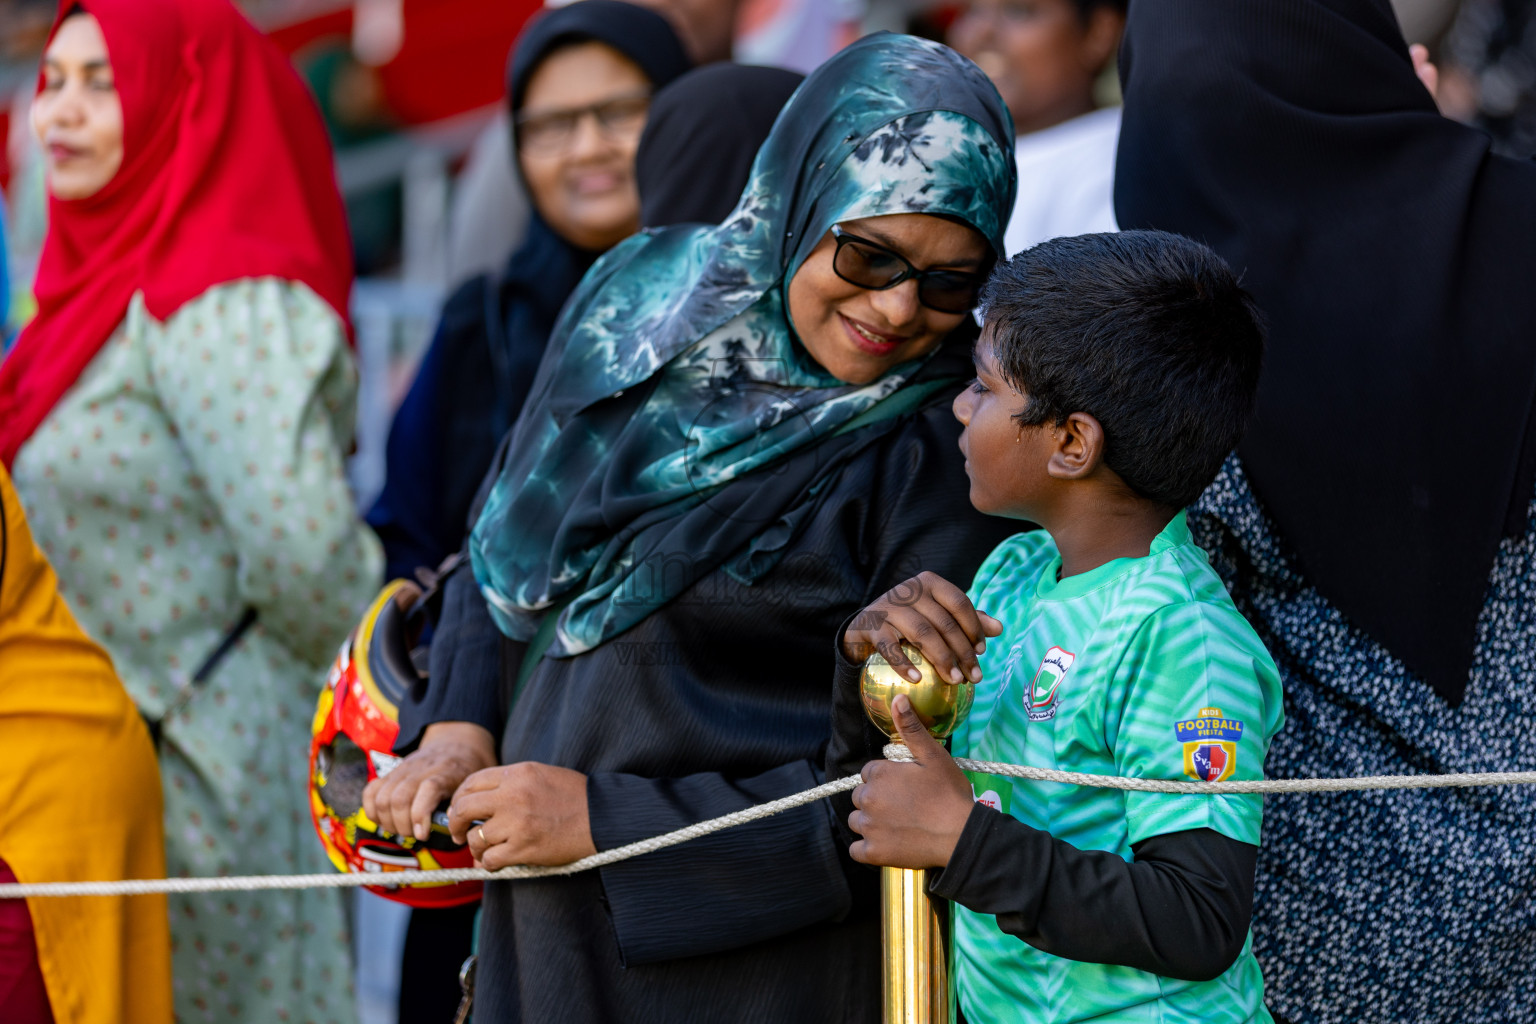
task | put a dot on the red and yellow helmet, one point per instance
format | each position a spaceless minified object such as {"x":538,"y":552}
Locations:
{"x":352,"y":738}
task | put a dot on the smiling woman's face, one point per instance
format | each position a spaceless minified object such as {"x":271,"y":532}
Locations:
{"x":77,"y":114}
{"x":857,"y":334}
{"x":583,"y":180}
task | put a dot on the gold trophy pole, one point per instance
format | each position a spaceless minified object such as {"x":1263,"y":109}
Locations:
{"x":914,"y":969}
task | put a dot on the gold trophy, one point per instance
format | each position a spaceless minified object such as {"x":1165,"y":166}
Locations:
{"x":914,"y":969}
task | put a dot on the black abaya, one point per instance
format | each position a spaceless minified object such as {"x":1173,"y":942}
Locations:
{"x":715,"y":701}
{"x":1395,"y":257}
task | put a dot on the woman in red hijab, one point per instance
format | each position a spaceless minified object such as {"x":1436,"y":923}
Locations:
{"x":176,"y":419}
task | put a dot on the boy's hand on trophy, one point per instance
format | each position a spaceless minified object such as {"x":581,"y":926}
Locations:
{"x":934,"y":615}
{"x":910,"y":814}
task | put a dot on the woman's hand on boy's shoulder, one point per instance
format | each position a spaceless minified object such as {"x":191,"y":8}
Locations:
{"x":910,"y":814}
{"x":931,"y":613}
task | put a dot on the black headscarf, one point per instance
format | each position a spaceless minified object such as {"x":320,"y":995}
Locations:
{"x":702,"y":135}
{"x":1396,"y":259}
{"x":639,"y":33}
{"x":545,"y":269}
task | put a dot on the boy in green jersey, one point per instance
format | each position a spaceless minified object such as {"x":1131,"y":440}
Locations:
{"x":1114,"y":374}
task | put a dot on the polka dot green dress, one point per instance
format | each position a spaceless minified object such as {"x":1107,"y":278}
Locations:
{"x":196,"y":470}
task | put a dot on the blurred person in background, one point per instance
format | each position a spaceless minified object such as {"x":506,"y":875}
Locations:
{"x":703,"y":132}
{"x":1045,"y":57}
{"x":1384,"y":560}
{"x":490,"y":207}
{"x":580,"y":88}
{"x":82,"y":803}
{"x":706,"y":27}
{"x":800,"y":34}
{"x":176,"y":419}
{"x":1488,"y":71}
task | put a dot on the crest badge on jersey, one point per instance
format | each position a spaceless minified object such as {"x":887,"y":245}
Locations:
{"x":1045,"y":689}
{"x":1210,"y":745}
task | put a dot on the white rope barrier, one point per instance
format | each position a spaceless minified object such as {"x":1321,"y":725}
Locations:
{"x":899,"y":752}
{"x":240,"y":883}
{"x":893,"y":752}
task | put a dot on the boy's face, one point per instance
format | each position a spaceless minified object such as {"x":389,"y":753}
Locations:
{"x":1006,"y":461}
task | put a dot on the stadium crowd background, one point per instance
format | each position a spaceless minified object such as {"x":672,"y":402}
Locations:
{"x":412,"y":92}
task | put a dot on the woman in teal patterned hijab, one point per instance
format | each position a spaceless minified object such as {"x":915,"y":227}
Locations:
{"x":739,"y":436}
{"x":692,"y":357}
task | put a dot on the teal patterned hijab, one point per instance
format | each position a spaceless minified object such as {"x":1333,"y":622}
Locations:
{"x":674,"y":379}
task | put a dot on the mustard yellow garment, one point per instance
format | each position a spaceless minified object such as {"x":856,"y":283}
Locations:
{"x":79,"y":798}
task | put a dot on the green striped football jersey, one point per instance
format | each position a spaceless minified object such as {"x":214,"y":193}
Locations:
{"x":1142,"y":667}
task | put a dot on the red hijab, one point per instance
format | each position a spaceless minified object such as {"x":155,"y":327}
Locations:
{"x":226,"y":174}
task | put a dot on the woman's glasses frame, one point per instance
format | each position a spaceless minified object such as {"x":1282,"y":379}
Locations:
{"x":932,"y":285}
{"x":549,"y":133}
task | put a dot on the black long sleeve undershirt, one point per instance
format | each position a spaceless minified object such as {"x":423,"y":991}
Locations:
{"x":1180,"y":909}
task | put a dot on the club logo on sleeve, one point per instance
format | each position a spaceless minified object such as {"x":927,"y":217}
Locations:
{"x":1045,"y":689}
{"x":1210,"y":745}
{"x":990,"y":791}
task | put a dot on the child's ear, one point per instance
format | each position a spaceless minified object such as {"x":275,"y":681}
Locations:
{"x":1079,"y":447}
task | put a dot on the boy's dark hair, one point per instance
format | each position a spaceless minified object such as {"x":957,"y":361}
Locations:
{"x":1148,"y":332}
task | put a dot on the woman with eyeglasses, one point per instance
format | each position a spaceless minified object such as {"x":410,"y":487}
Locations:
{"x":739,"y":434}
{"x":580,"y":84}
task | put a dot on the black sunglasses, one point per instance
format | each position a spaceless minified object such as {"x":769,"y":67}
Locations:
{"x":876,"y":267}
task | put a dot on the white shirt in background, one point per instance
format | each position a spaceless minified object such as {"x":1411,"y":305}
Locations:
{"x":1066,"y":180}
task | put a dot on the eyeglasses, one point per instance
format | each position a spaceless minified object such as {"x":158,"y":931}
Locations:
{"x":550,"y":133}
{"x":871,"y":265}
